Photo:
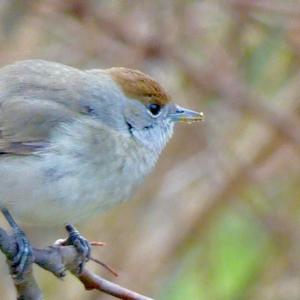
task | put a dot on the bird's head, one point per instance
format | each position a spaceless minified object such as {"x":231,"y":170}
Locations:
{"x":148,"y":110}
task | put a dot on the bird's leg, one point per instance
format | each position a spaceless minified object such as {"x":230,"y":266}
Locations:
{"x":23,"y":258}
{"x":83,"y":247}
{"x":81,"y":244}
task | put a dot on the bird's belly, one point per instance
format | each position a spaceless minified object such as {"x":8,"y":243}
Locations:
{"x":74,"y":179}
{"x":58,"y":203}
{"x":36,"y":194}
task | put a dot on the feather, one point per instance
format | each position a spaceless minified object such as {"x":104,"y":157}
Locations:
{"x":35,"y":97}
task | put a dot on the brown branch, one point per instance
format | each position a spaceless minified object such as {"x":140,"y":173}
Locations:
{"x":58,"y":260}
{"x":272,"y":7}
{"x":92,"y":281}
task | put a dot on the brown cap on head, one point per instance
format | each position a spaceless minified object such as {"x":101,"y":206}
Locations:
{"x":139,"y":86}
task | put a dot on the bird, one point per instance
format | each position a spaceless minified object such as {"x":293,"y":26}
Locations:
{"x":74,"y":142}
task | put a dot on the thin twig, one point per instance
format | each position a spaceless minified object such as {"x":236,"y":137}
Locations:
{"x":105,"y":266}
{"x":58,"y":260}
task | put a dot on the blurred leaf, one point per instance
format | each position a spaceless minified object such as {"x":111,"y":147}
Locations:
{"x":232,"y":255}
{"x":269,"y":62}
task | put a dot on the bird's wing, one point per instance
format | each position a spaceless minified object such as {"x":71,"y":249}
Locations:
{"x":25,"y":125}
{"x":35,"y":97}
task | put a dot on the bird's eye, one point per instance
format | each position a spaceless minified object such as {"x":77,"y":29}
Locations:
{"x":154,"y":109}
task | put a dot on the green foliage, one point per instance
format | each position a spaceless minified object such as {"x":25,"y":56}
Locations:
{"x":268,"y":59}
{"x":232,"y":254}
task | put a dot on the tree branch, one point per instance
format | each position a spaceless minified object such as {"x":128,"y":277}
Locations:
{"x":58,"y":260}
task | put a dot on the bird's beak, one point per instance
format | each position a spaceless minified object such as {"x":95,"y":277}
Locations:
{"x":185,"y":115}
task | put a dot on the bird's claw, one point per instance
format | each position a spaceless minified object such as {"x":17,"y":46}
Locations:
{"x":81,"y":244}
{"x":23,"y":258}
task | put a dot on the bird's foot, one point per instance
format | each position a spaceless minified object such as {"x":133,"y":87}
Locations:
{"x":83,"y":247}
{"x":81,"y":244}
{"x":22,"y":259}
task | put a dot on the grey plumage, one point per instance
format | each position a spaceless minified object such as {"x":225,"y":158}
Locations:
{"x":73,"y":143}
{"x":66,"y":149}
{"x":36,"y":95}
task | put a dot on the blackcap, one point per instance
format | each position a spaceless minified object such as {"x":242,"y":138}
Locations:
{"x":73,"y":143}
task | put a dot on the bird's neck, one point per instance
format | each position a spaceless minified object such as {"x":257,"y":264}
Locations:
{"x":154,"y":138}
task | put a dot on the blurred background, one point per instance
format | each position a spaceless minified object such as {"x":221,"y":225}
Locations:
{"x":218,"y":219}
